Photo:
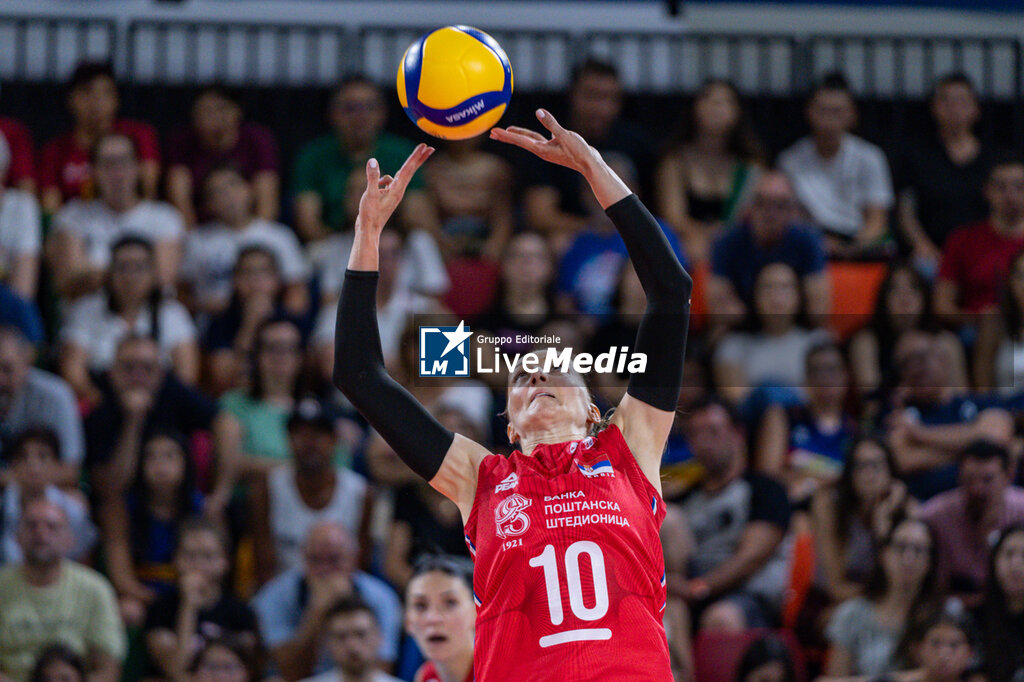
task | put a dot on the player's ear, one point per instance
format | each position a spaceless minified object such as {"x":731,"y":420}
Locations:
{"x":512,"y":435}
{"x":593,"y":414}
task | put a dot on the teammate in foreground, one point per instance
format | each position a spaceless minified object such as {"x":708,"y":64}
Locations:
{"x":439,"y":614}
{"x":569,"y":577}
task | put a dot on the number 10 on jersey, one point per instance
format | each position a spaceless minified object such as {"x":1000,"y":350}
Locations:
{"x":548,"y":560}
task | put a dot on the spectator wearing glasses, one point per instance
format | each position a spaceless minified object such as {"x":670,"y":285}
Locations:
{"x":65,"y":168}
{"x":357,"y":114}
{"x":131,"y":303}
{"x":771,"y":233}
{"x":218,"y":135}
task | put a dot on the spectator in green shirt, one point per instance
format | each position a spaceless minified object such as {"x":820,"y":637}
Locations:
{"x":357,"y":115}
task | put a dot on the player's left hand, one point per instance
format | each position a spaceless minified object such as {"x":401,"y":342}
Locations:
{"x":383,"y":194}
{"x":565,"y":147}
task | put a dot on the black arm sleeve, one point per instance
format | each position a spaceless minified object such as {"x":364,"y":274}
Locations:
{"x":662,"y":333}
{"x":359,"y":372}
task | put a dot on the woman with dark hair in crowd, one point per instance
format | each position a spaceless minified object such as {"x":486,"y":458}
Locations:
{"x":767,"y":659}
{"x":277,"y":380}
{"x":1001,"y":616}
{"x":805,"y":446}
{"x":943,"y":647}
{"x":903,"y":303}
{"x":141,"y":530}
{"x":58,"y":663}
{"x":257,"y":296}
{"x":131,"y":303}
{"x":851,"y":517}
{"x":226,"y":659}
{"x":1000,"y":346}
{"x":706,"y":176}
{"x":867,"y":633}
{"x":770,"y":352}
{"x":440,"y":614}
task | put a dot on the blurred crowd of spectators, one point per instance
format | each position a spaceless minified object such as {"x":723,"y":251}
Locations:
{"x":185,"y":495}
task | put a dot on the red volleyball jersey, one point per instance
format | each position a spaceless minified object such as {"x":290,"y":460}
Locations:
{"x":569,"y":576}
{"x":428,"y":673}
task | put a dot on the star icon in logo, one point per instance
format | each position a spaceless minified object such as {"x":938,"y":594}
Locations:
{"x":455,"y":338}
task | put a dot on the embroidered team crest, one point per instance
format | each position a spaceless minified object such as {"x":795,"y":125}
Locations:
{"x":509,"y":518}
{"x":602,"y":468}
{"x":509,"y":483}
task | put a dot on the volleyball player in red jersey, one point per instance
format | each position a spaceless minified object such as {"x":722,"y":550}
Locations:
{"x":439,"y":614}
{"x":569,"y":577}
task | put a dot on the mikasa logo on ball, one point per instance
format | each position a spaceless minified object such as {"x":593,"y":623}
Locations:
{"x":468,"y":111}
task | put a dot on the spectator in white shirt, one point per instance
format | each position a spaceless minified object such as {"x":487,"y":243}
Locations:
{"x":80,"y":248}
{"x":211,"y":250}
{"x":130,"y":304}
{"x":842,"y":181}
{"x":20,"y":233}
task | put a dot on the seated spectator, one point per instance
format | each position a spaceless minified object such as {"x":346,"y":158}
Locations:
{"x":425,"y":522}
{"x":219,"y":136}
{"x":226,"y":659}
{"x":771,"y":351}
{"x":21,"y":172}
{"x":841,"y":180}
{"x":80,"y":249}
{"x":292,"y":606}
{"x":141,"y":529}
{"x":264,"y":407}
{"x":198,"y":609}
{"x":963,"y":519}
{"x":590,"y":268}
{"x":440,"y":614}
{"x":212,"y":250}
{"x":257,"y":296}
{"x":33,"y":397}
{"x":65,"y":166}
{"x":471,"y":190}
{"x":21,"y":314}
{"x":850,"y":519}
{"x":396,"y":303}
{"x":47,"y":598}
{"x":131,"y":303}
{"x":1001,"y":338}
{"x":770,"y":234}
{"x":735,"y":520}
{"x":976,"y":258}
{"x":767,"y":658}
{"x":310,"y":488}
{"x":705,"y":179}
{"x":33,"y":463}
{"x":525,"y":298}
{"x":866,"y":632}
{"x":20,"y":232}
{"x":58,"y":663}
{"x":804,"y":447}
{"x":139,"y":397}
{"x":551,"y":201}
{"x":940,"y":178}
{"x":903,"y":303}
{"x":930,"y":421}
{"x":1000,"y":617}
{"x":321,"y":180}
{"x":944,"y":647}
{"x":352,"y":637}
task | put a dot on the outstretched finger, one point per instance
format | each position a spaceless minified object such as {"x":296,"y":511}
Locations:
{"x":532,"y":134}
{"x":518,"y":139}
{"x":411,"y":165}
{"x":372,"y":177}
{"x":549,"y":122}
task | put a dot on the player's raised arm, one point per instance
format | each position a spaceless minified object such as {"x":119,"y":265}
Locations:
{"x":646,"y":412}
{"x":449,"y":461}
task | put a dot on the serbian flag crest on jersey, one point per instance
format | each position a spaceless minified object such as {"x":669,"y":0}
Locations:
{"x":602,"y":468}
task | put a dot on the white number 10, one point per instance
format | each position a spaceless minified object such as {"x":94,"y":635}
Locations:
{"x":549,"y":563}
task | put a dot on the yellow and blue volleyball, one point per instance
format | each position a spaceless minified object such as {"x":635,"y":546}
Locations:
{"x":455,"y":82}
